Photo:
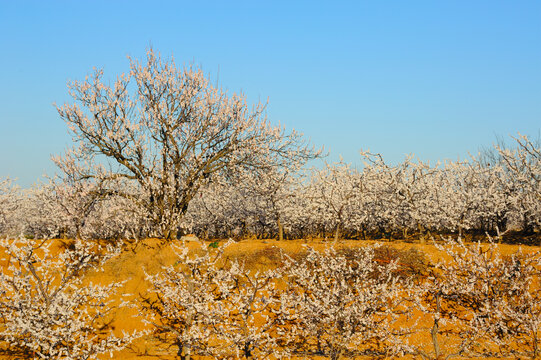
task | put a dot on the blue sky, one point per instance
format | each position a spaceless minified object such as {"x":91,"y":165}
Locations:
{"x":435,"y":78}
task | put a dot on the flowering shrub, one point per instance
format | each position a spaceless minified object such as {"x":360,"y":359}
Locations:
{"x":336,"y":306}
{"x":481,"y":303}
{"x":324,"y":304}
{"x":46,"y":311}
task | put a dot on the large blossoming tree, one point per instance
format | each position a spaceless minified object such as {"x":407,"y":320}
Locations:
{"x":168,"y":130}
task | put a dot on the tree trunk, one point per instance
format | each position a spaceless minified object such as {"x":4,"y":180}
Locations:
{"x":280,"y":229}
{"x":183,"y":351}
{"x":435,"y":329}
{"x":535,"y":340}
{"x":168,"y":232}
{"x":77,"y":231}
{"x":248,"y":351}
{"x":337,"y":232}
{"x":422,"y":238}
{"x":336,"y":355}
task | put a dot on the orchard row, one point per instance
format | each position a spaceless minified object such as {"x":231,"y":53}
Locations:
{"x":496,"y":191}
{"x":332,"y":303}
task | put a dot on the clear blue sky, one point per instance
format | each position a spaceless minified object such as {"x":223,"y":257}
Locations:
{"x":435,"y":78}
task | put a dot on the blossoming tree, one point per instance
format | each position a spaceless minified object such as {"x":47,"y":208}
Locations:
{"x":168,"y":130}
